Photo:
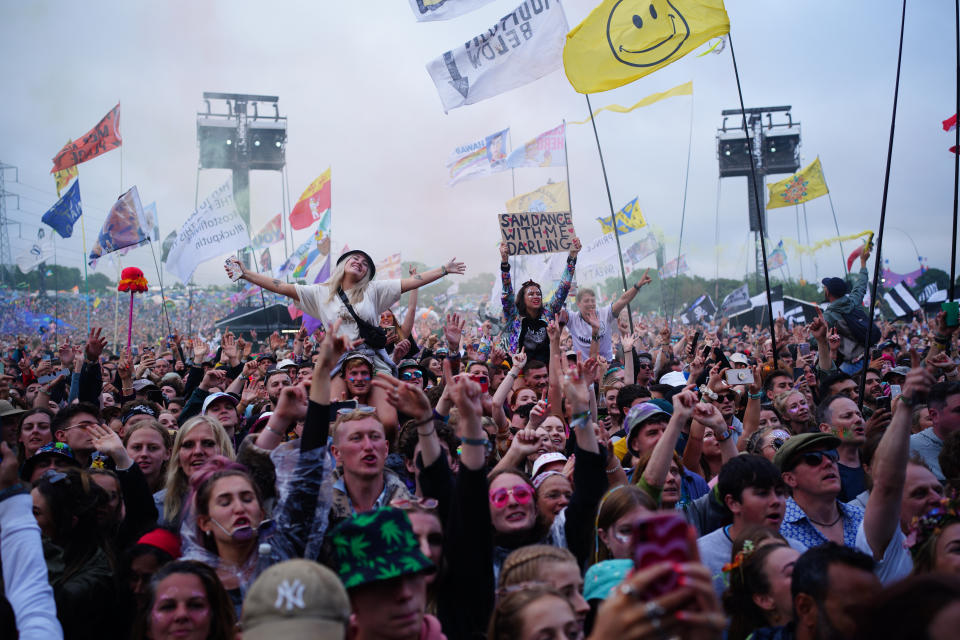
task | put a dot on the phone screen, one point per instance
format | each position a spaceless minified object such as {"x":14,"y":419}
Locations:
{"x":660,"y":537}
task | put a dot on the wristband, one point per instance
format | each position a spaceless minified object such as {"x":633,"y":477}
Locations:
{"x":504,"y":266}
{"x":636,"y":286}
{"x":724,"y":438}
{"x":708,"y":392}
{"x":437,"y":416}
{"x":443,"y":270}
{"x":476,"y":442}
{"x":755,"y":396}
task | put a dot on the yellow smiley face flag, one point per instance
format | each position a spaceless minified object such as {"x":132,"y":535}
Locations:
{"x":622,"y":40}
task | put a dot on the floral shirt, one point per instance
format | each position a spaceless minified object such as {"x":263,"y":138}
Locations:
{"x":796,"y":527}
{"x":512,"y":318}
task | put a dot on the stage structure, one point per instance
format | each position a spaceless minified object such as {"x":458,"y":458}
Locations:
{"x":776,"y":149}
{"x":242,"y":141}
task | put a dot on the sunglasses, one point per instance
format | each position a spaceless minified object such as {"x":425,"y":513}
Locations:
{"x":500,"y":498}
{"x":644,"y":365}
{"x":410,"y":375}
{"x":815,"y":458}
{"x":360,"y":408}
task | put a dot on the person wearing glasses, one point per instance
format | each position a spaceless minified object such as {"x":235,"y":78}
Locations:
{"x":69,"y":426}
{"x":840,"y":416}
{"x":589,"y":324}
{"x":525,"y":315}
{"x":814,"y":515}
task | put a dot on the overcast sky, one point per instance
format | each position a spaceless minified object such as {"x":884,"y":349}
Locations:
{"x":351,"y":79}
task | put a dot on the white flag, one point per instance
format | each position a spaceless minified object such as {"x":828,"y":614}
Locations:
{"x":426,"y":10}
{"x":40,"y":251}
{"x":213,"y":230}
{"x":478,"y":157}
{"x":524,"y":45}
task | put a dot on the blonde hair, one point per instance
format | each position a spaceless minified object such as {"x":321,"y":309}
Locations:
{"x":356,"y":414}
{"x":178,"y":484}
{"x":526,"y":564}
{"x":780,"y":406}
{"x":355,"y":295}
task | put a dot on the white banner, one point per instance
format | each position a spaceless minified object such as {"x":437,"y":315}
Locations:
{"x":426,"y":10}
{"x":213,"y":230}
{"x":524,"y":45}
{"x":40,"y":251}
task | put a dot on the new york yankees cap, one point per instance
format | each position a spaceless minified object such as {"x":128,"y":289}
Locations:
{"x":294,"y":600}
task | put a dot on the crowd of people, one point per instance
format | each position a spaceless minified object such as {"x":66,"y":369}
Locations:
{"x":559,"y":470}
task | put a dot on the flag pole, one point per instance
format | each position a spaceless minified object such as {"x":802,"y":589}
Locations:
{"x":806,"y":228}
{"x":86,"y":282}
{"x":883,"y":210}
{"x":796,"y":212}
{"x":843,"y":254}
{"x":613,"y":214}
{"x":683,"y":216}
{"x":116,"y":307}
{"x":956,"y":166}
{"x":163,"y":295}
{"x":754,"y":184}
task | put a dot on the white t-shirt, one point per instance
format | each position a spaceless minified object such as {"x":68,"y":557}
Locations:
{"x":582,"y":332}
{"x":380,"y":294}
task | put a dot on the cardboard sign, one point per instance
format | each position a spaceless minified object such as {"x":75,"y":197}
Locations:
{"x":537,"y":232}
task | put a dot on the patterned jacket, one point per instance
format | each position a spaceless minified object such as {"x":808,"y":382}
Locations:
{"x":512,"y":316}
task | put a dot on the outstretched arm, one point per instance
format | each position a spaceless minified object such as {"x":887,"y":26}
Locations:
{"x":268,"y":282}
{"x":418,"y":280}
{"x":629,"y":294}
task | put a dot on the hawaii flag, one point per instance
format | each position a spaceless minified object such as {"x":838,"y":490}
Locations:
{"x":102,"y":138}
{"x":314,"y":201}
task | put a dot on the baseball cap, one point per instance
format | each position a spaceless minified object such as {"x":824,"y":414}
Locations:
{"x":639,"y":414}
{"x":544,"y":460}
{"x":213,"y":397}
{"x":803,"y":443}
{"x":674,"y":379}
{"x":143,"y":384}
{"x":836,"y":286}
{"x":266,"y":356}
{"x":739,"y":358}
{"x":357,"y":355}
{"x":138,"y":410}
{"x":59,"y":449}
{"x":286,"y":363}
{"x":296,"y":599}
{"x":163,"y":539}
{"x":897,"y":371}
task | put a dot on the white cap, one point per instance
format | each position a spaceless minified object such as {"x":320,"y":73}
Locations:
{"x":286,"y":363}
{"x":544,"y":460}
{"x":213,"y":397}
{"x":739,"y":358}
{"x":674,"y":379}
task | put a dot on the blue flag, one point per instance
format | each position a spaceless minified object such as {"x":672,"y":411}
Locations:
{"x":65,"y":212}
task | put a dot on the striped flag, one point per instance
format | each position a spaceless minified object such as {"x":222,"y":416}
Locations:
{"x":901,"y":301}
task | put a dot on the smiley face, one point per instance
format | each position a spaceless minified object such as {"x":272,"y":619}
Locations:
{"x":647,"y":32}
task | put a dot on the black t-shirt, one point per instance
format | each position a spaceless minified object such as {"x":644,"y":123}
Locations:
{"x":533,"y":336}
{"x":852,"y":482}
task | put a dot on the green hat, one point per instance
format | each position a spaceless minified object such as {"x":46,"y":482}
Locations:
{"x":803,"y":443}
{"x":602,"y":577}
{"x":375,"y":546}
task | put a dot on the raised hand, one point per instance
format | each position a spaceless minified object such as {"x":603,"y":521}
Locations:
{"x":332,"y":347}
{"x":684,"y":402}
{"x":453,"y":330}
{"x":402,"y":349}
{"x":645,"y":279}
{"x":575,"y":389}
{"x":504,"y":253}
{"x":520,"y":358}
{"x":405,"y":397}
{"x":108,"y":442}
{"x":200,"y":350}
{"x":575,"y":247}
{"x":537,"y":414}
{"x":818,"y":328}
{"x":95,"y":344}
{"x":251,"y":390}
{"x":292,"y":403}
{"x":276,"y":341}
{"x":66,"y":354}
{"x":709,"y":416}
{"x":455,"y":267}
{"x":553,"y":331}
{"x":213,"y":378}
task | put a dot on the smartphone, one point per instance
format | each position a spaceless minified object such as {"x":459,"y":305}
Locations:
{"x":738,"y":376}
{"x":706,"y":352}
{"x":660,"y":537}
{"x":46,"y":379}
{"x":234,"y":270}
{"x":883,"y":403}
{"x":602,"y":413}
{"x":722,"y":359}
{"x":895,"y":390}
{"x":696,"y":339}
{"x":482,"y":380}
{"x":804,"y":348}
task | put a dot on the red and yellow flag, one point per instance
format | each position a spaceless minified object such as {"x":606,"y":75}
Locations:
{"x":102,"y":138}
{"x":313,"y":203}
{"x":64,"y":177}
